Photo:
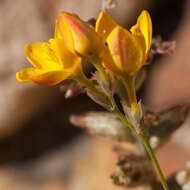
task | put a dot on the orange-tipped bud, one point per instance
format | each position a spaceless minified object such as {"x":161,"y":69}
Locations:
{"x":126,"y":49}
{"x":86,"y":42}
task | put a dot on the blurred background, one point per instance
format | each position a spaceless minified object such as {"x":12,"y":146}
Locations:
{"x":39,"y":149}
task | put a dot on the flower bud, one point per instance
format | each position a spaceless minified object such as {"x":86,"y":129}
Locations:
{"x":86,"y":42}
{"x":126,"y":49}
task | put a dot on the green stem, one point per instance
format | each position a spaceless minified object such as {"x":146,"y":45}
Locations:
{"x":80,"y":77}
{"x":129,"y":82}
{"x":154,"y":160}
{"x":144,"y":140}
{"x":98,"y":65}
{"x":120,"y":115}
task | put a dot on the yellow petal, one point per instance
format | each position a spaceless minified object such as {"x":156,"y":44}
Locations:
{"x":25,"y":75}
{"x":105,"y":24}
{"x":144,"y":26}
{"x":108,"y":62}
{"x":41,"y":77}
{"x":51,"y":77}
{"x":66,"y":34}
{"x":57,"y":31}
{"x":42,"y":56}
{"x":126,"y":50}
{"x":86,"y":40}
{"x":55,"y":77}
{"x":65,"y":56}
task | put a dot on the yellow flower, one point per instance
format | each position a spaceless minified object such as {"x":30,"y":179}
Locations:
{"x":53,"y":62}
{"x":86,"y":42}
{"x":129,"y":50}
{"x":125,"y":51}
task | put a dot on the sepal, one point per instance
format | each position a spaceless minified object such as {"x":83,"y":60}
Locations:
{"x":135,"y":117}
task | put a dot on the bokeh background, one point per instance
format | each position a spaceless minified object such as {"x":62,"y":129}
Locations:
{"x":39,"y":149}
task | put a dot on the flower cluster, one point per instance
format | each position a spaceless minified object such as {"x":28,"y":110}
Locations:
{"x":109,"y":47}
{"x":118,"y":55}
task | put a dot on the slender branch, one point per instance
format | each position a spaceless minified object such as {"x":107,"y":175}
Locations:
{"x":80,"y":77}
{"x":129,"y":82}
{"x":144,"y":140}
{"x":97,"y":63}
{"x":120,"y":115}
{"x":154,"y":160}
